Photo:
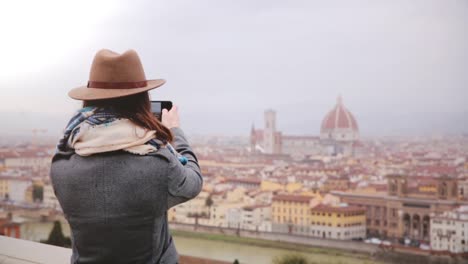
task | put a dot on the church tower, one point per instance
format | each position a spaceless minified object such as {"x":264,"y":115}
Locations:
{"x":253,"y":139}
{"x":447,"y":188}
{"x":269,"y":132}
{"x":397,"y":185}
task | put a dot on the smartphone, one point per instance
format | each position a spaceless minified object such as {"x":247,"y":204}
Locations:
{"x":158,"y":106}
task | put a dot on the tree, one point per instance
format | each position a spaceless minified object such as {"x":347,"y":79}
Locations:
{"x":236,"y":261}
{"x":38,"y":193}
{"x":291,"y":259}
{"x":56,"y":236}
{"x":209,"y":203}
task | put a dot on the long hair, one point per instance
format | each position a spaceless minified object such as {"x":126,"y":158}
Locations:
{"x":137,"y":108}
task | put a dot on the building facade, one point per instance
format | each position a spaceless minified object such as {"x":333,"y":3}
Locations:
{"x":49,"y":198}
{"x":338,"y":222}
{"x":449,"y":231}
{"x":9,"y":228}
{"x":14,"y":188}
{"x":403,"y":214}
{"x":191,"y":211}
{"x":256,"y":217}
{"x":307,"y":216}
{"x":252,"y":217}
{"x":291,"y":213}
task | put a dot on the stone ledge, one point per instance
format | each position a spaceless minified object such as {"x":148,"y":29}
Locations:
{"x":19,"y":251}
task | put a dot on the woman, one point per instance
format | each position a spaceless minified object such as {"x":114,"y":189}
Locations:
{"x":115,"y":172}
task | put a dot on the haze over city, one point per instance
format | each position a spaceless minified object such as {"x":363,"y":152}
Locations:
{"x":401,"y":67}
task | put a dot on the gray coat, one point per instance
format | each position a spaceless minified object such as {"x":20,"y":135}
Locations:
{"x":116,"y":202}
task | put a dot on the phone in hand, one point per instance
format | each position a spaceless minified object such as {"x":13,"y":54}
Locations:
{"x":158,"y":106}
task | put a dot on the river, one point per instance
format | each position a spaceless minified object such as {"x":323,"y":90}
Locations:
{"x":198,"y":247}
{"x":247,"y":254}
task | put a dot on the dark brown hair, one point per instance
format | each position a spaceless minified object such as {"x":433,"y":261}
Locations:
{"x":137,"y":108}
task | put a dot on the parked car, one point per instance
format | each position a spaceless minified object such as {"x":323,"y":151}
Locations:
{"x":374,"y":240}
{"x":425,"y":247}
{"x":401,"y":241}
{"x":407,"y":241}
{"x":386,"y":243}
{"x":415,"y":243}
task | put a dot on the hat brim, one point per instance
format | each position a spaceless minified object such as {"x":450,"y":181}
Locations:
{"x":85,"y":93}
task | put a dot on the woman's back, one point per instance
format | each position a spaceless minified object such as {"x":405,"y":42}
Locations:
{"x":115,"y":172}
{"x":116,"y":202}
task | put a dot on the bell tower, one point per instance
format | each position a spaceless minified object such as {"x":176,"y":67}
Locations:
{"x":269,"y":136}
{"x":397,"y":185}
{"x":253,"y":139}
{"x":447,"y":188}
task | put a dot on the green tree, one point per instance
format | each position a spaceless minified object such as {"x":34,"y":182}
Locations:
{"x":291,"y":259}
{"x":209,"y":203}
{"x":56,"y":236}
{"x":236,"y":261}
{"x":38,"y":193}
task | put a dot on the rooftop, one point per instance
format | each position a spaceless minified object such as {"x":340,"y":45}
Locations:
{"x":338,"y":209}
{"x":293,"y":198}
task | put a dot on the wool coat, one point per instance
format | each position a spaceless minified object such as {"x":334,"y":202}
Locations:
{"x":116,"y":202}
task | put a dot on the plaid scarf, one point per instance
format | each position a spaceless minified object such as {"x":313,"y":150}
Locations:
{"x":100,"y":116}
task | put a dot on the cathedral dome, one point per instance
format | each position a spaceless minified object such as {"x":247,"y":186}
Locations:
{"x":339,"y":124}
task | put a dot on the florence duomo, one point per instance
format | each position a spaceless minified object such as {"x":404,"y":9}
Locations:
{"x":339,"y":135}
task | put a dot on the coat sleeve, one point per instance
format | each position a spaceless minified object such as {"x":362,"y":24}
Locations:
{"x":184,"y":181}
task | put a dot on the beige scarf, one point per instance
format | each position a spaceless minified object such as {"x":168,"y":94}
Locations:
{"x":119,"y":134}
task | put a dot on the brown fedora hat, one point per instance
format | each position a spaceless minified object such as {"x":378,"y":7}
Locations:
{"x":115,"y":75}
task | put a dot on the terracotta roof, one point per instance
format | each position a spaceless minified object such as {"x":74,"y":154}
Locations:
{"x":215,"y":193}
{"x":252,"y":207}
{"x":15,"y":178}
{"x":379,"y":187}
{"x":4,"y":154}
{"x":256,"y":192}
{"x":337,"y":209}
{"x":437,"y":169}
{"x":358,"y":144}
{"x":292,"y":198}
{"x":258,"y":134}
{"x":298,"y":137}
{"x":244,"y":180}
{"x":339,"y":117}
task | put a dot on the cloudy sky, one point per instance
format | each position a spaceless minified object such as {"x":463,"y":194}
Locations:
{"x":401,"y":66}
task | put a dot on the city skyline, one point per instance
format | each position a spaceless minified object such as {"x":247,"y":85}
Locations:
{"x":371,"y":126}
{"x":385,"y":194}
{"x":331,"y":131}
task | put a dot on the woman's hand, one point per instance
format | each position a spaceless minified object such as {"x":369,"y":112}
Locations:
{"x":170,"y":118}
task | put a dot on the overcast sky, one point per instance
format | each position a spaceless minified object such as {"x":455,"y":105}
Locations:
{"x":400,"y":66}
